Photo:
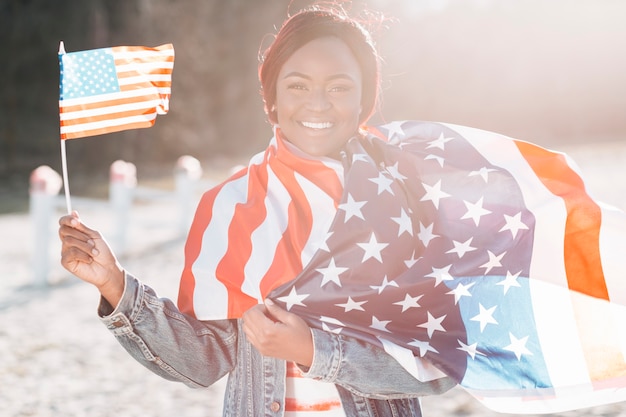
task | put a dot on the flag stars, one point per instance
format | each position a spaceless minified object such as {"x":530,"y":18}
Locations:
{"x":518,"y":346}
{"x":475,"y":211}
{"x":424,"y":347}
{"x":434,"y":193}
{"x":440,"y":274}
{"x":510,"y":281}
{"x":514,"y":224}
{"x":383,"y":182}
{"x":426,"y":234}
{"x":471,"y":350}
{"x":380,"y":324}
{"x":493,"y":262}
{"x":485,"y":316}
{"x":404,"y":223}
{"x":395,"y":173}
{"x":436,"y":158}
{"x":293,"y":299}
{"x":373,"y":249}
{"x":352,"y":305}
{"x":409,"y":302}
{"x":483,"y":173}
{"x":380,"y":288}
{"x":461,"y":290}
{"x":433,"y":324}
{"x":352,"y":208}
{"x":461,"y":248}
{"x":439,"y":143}
{"x":331,"y":273}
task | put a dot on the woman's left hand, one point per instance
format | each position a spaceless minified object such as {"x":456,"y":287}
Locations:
{"x":278,"y":333}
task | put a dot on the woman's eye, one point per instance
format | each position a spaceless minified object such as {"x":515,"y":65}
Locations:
{"x":296,"y":86}
{"x":339,"y":89}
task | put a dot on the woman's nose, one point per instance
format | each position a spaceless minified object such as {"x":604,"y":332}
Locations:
{"x":318,"y":100}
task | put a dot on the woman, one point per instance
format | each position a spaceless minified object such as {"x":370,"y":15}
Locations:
{"x":319,"y":83}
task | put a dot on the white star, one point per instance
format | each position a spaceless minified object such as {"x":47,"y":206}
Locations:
{"x":434,"y":193}
{"x":338,"y":325}
{"x":436,"y":158}
{"x":410,"y":262}
{"x":510,"y":281}
{"x":433,"y":324}
{"x":475,"y":211}
{"x":470,"y":349}
{"x":462,"y":248}
{"x":384,"y":285}
{"x":426,"y":234}
{"x":409,"y":302}
{"x":493,"y":262}
{"x":331,"y":273}
{"x":424,"y":347}
{"x":440,"y":142}
{"x":485,"y":317}
{"x":324,"y":244}
{"x":293,"y":299}
{"x":394,"y":129}
{"x":359,"y":157}
{"x":404,"y":223}
{"x":383,"y":182}
{"x":380,"y":324}
{"x":460,"y":291}
{"x":440,"y":274}
{"x":394,"y":171}
{"x":352,"y":208}
{"x":483,"y":172}
{"x":372,"y":249}
{"x":514,"y":224}
{"x":518,"y":346}
{"x":352,"y":305}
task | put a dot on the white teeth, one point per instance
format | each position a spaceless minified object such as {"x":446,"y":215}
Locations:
{"x":323,"y":125}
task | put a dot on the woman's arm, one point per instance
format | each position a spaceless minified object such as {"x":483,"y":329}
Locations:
{"x":170,"y":344}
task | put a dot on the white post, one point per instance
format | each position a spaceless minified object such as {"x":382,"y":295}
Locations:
{"x":187,"y":172}
{"x":45,"y":184}
{"x":122,"y":183}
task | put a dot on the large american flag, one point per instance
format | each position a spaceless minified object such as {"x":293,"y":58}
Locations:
{"x":111,"y":89}
{"x":461,"y":252}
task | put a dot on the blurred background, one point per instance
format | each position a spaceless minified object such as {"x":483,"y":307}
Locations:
{"x":551,"y":72}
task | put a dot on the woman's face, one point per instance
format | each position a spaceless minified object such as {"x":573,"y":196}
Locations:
{"x":318,"y":97}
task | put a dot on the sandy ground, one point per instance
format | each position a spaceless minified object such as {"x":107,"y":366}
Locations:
{"x":59,"y":361}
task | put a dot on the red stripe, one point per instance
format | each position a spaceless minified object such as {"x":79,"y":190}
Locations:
{"x":108,"y":129}
{"x":292,"y":404}
{"x":583,"y":264}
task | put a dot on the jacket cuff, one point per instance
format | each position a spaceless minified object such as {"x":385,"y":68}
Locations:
{"x":327,"y":355}
{"x":119,"y":319}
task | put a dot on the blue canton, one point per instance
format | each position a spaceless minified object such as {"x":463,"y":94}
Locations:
{"x":88,"y":73}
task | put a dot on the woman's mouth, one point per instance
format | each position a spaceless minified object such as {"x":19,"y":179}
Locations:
{"x":317,"y":125}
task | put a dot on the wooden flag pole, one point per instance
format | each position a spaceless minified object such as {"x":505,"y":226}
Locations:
{"x":66,"y":183}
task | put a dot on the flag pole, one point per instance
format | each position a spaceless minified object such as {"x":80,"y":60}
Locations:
{"x":66,"y":183}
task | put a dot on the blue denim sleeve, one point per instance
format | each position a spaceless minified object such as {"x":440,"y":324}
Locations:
{"x":366,"y":370}
{"x":170,"y":344}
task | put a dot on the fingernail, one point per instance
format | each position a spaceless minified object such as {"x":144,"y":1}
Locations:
{"x":95,"y":252}
{"x":91,"y":242}
{"x":269,"y":302}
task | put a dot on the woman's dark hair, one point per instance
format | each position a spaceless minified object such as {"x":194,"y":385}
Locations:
{"x":310,"y":24}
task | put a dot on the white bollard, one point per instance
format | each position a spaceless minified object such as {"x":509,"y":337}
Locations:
{"x":122,"y":183}
{"x":45,"y":184}
{"x":186,"y":174}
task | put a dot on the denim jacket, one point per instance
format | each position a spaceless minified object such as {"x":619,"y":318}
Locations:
{"x":198,"y":353}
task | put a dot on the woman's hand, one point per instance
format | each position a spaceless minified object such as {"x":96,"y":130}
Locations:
{"x":277,"y":333}
{"x":85,"y":253}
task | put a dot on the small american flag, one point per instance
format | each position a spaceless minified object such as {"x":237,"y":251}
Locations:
{"x":111,"y":89}
{"x":459,"y":251}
